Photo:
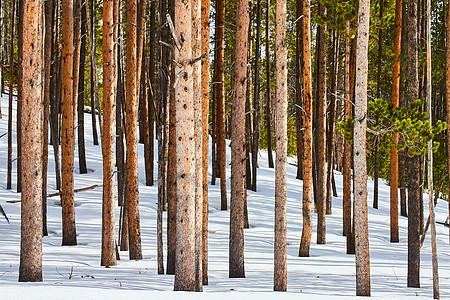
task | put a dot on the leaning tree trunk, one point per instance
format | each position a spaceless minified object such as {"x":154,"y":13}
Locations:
{"x":67,"y":132}
{"x":31,"y":206}
{"x":360,"y":169}
{"x":236,"y":245}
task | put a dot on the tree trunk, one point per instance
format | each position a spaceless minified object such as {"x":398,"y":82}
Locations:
{"x":19,"y":94}
{"x":10,"y":104}
{"x":67,"y":145}
{"x":299,"y":88}
{"x":434,"y":257}
{"x":109,"y":101}
{"x":80,"y":102}
{"x":360,"y":171}
{"x":31,"y":206}
{"x":280,"y":271}
{"x":395,"y":102}
{"x":447,"y":94}
{"x":414,"y":162}
{"x":76,"y":60}
{"x":257,"y":98}
{"x":331,"y":121}
{"x":131,"y":104}
{"x":320,"y":131}
{"x":48,"y":8}
{"x":347,"y":155}
{"x":220,"y":101}
{"x":151,"y":92}
{"x":307,"y":133}
{"x":236,"y":245}
{"x":402,"y":103}
{"x":205,"y":5}
{"x":185,"y":243}
{"x":268,"y":96}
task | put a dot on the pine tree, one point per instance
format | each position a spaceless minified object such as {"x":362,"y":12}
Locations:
{"x":31,"y":206}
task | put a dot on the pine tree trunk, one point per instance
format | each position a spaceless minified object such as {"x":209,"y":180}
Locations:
{"x":31,"y":206}
{"x":447,"y":94}
{"x":19,"y":94}
{"x":320,"y":131}
{"x":360,"y":169}
{"x":268,"y":96}
{"x":307,"y":133}
{"x":48,"y":8}
{"x":185,"y":243}
{"x":395,"y":102}
{"x":402,"y":103}
{"x":220,"y":101}
{"x":347,"y":155}
{"x":80,"y":102}
{"x":76,"y":60}
{"x":280,"y":271}
{"x":434,"y":257}
{"x":151,"y":93}
{"x":257,"y":98}
{"x":414,"y":162}
{"x":299,"y":89}
{"x":109,"y":101}
{"x":67,"y":132}
{"x":331,"y":121}
{"x":236,"y":244}
{"x":205,"y":6}
{"x":10,"y":104}
{"x":131,"y":104}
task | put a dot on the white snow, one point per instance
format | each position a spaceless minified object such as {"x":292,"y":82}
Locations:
{"x":75,"y":272}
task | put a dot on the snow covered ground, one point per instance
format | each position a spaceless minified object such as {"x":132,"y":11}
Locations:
{"x":75,"y":272}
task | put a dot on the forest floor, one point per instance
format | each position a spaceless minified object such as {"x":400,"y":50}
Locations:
{"x":75,"y":272}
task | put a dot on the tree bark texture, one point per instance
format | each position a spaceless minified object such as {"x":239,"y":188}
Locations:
{"x":307,"y":133}
{"x":414,"y":162}
{"x":67,"y":132}
{"x":131,"y":104}
{"x":280,"y":270}
{"x":360,"y":169}
{"x":184,"y":105}
{"x":30,"y":268}
{"x":109,"y":102}
{"x":395,"y":102}
{"x":236,"y":245}
{"x":320,"y":200}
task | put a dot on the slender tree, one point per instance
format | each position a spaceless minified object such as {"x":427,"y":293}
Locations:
{"x":434,"y":256}
{"x":414,"y":182}
{"x":10,"y":103}
{"x":80,"y":100}
{"x":280,"y":271}
{"x":109,"y":101}
{"x":131,"y":182}
{"x":360,"y":169}
{"x":31,"y":206}
{"x":19,"y":94}
{"x":447,"y":94}
{"x":299,"y":88}
{"x":236,"y":245}
{"x":185,"y":243}
{"x":67,"y":145}
{"x":320,"y":200}
{"x":395,"y":102}
{"x":307,"y":133}
{"x":220,"y":100}
{"x":205,"y":5}
{"x":267,"y":110}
